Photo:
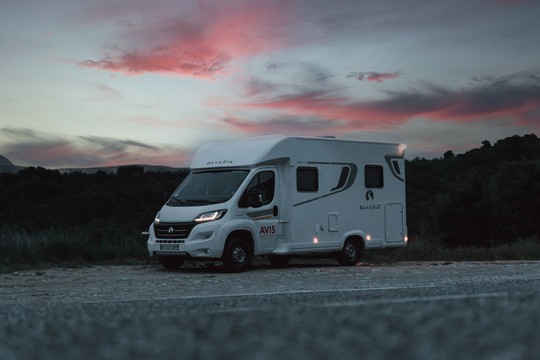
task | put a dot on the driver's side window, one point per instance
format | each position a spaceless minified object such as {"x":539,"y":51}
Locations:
{"x":260,"y":190}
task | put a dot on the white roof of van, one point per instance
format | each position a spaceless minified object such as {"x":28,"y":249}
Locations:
{"x":244,"y":152}
{"x":251,"y":151}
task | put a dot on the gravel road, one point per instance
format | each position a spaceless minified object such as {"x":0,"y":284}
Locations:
{"x":315,"y":310}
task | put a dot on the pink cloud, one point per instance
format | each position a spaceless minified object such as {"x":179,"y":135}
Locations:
{"x":179,"y":61}
{"x":514,"y":98}
{"x":372,"y":76}
{"x":203,"y":46}
{"x":323,"y":105}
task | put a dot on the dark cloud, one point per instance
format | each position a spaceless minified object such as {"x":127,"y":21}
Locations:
{"x":39,"y":151}
{"x":26,"y":147}
{"x":285,"y":124}
{"x":372,"y":76}
{"x":19,"y":133}
{"x":111,"y":144}
{"x":302,"y":71}
{"x":515,"y":98}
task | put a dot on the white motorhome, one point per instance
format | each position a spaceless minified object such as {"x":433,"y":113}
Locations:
{"x":284,"y":196}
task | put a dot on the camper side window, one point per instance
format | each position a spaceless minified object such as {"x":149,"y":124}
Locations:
{"x":307,"y":179}
{"x":373,"y":176}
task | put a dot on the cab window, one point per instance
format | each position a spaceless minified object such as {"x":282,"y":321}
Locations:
{"x":260,"y":190}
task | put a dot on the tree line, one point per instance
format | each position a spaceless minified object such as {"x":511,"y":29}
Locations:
{"x":36,"y":199}
{"x":486,"y":196}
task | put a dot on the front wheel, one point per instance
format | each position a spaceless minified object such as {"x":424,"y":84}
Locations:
{"x":350,"y":254}
{"x":237,"y":256}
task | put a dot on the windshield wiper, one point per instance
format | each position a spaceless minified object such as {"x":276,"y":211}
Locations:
{"x":191,"y":202}
{"x":182,"y":202}
{"x":199,"y":201}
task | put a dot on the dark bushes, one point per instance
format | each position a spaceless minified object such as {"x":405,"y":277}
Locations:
{"x":46,"y":216}
{"x":485,"y":197}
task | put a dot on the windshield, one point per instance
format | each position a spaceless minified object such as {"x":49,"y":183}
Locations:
{"x":210,"y":187}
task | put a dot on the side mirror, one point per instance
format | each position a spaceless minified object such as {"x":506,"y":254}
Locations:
{"x":254,"y":198}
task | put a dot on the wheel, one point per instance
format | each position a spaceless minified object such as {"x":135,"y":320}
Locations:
{"x":237,"y":256}
{"x":350,"y":254}
{"x":278,"y":260}
{"x":171,"y":262}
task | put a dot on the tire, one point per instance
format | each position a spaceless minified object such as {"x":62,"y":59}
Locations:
{"x":350,"y":254}
{"x":278,"y":260}
{"x":237,"y":256}
{"x":171,"y":262}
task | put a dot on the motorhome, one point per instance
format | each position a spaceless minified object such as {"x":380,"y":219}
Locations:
{"x":281,"y":197}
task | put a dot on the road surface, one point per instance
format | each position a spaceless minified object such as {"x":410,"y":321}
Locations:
{"x":317,"y":310}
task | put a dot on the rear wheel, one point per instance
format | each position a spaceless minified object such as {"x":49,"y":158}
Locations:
{"x":171,"y":262}
{"x":350,"y":254}
{"x":237,"y":255}
{"x":278,"y":260}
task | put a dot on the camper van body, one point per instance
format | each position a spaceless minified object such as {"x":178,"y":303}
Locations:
{"x":284,"y":196}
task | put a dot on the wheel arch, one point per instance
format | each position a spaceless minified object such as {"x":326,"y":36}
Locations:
{"x":359,"y":237}
{"x":243,"y":234}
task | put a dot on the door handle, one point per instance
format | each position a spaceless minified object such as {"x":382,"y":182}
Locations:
{"x":275,"y":210}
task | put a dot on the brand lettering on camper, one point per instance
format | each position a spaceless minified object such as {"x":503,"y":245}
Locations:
{"x":219,"y":162}
{"x":267,"y":230}
{"x":370,"y":207}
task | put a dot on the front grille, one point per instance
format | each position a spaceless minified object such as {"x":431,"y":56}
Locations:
{"x":173,"y":230}
{"x":175,"y":241}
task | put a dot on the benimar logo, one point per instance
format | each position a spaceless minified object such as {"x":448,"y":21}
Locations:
{"x":267,"y":230}
{"x":370,"y":196}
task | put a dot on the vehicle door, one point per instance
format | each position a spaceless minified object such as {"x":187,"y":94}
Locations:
{"x":260,"y":204}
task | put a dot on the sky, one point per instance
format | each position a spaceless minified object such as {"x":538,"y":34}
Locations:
{"x":106,"y":83}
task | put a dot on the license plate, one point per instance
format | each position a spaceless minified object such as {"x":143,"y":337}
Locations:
{"x":169,"y":247}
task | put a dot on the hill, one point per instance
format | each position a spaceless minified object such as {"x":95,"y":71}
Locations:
{"x":114,"y":169}
{"x":5,"y":162}
{"x":7,"y":166}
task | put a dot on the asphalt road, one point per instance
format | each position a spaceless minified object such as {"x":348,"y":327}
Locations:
{"x":312,"y":310}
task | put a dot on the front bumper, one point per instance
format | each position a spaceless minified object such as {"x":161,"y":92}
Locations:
{"x":194,"y":240}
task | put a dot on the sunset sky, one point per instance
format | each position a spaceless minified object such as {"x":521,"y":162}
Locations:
{"x":100,"y":83}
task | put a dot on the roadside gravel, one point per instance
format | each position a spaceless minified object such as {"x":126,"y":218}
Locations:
{"x":318,"y":310}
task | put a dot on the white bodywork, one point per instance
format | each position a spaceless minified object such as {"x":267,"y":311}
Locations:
{"x":316,"y":218}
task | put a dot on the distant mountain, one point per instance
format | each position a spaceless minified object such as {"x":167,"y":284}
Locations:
{"x":7,"y":166}
{"x":4,"y":161}
{"x":114,"y":169}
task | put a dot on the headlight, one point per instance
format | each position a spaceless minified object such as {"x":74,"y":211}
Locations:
{"x":210,"y":216}
{"x":156,"y":219}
